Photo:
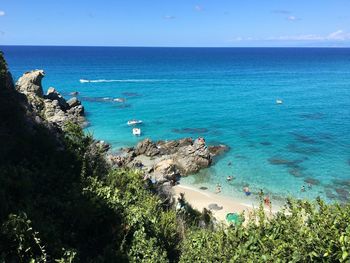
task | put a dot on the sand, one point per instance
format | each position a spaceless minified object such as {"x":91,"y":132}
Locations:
{"x":200,"y":199}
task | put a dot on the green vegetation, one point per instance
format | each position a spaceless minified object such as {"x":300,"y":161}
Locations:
{"x":60,"y":202}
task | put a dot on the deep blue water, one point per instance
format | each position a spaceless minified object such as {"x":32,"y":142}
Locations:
{"x":226,"y":95}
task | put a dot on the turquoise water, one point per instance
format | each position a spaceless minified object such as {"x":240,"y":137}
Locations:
{"x":226,"y":95}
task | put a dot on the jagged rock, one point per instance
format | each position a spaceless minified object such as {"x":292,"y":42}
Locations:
{"x":102,"y":145}
{"x":30,"y":83}
{"x":73,"y":102}
{"x":52,"y":106}
{"x":147,"y":147}
{"x":54,"y":95}
{"x":165,"y":170}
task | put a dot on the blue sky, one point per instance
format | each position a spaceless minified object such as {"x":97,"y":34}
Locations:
{"x":220,"y":23}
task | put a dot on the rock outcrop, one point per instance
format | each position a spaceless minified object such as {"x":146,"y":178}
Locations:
{"x":52,"y":107}
{"x":167,"y":160}
{"x":30,"y":83}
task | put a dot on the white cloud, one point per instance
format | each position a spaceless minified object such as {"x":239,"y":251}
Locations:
{"x":198,"y":8}
{"x":2,"y":13}
{"x":339,"y":35}
{"x":169,"y":17}
{"x":292,"y":18}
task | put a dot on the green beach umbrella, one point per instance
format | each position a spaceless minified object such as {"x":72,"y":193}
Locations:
{"x":234,"y":218}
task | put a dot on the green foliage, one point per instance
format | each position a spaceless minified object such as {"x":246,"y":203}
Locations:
{"x":303,"y":232}
{"x":142,"y":213}
{"x":21,"y":241}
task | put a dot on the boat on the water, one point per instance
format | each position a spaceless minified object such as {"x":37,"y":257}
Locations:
{"x":134,"y":122}
{"x":84,"y":80}
{"x":136,"y":131}
{"x":279,"y":101}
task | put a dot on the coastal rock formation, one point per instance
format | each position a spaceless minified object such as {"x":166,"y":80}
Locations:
{"x":52,"y":106}
{"x":147,"y":147}
{"x":166,"y":160}
{"x":30,"y":83}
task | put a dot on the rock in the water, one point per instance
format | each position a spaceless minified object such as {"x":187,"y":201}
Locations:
{"x":192,"y":158}
{"x":30,"y":82}
{"x":167,"y":160}
{"x":52,"y":106}
{"x":218,"y":149}
{"x":54,"y":95}
{"x":147,"y":147}
{"x":73,"y":102}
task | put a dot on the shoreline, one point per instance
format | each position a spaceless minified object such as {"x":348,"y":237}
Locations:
{"x":200,"y":199}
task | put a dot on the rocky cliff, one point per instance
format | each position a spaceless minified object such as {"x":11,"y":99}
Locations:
{"x":52,"y":107}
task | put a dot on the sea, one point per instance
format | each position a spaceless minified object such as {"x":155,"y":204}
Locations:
{"x":299,"y":148}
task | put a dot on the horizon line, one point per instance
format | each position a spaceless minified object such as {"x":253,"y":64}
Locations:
{"x":125,"y":46}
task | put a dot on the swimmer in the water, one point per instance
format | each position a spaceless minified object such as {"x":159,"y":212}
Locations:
{"x":229,"y":178}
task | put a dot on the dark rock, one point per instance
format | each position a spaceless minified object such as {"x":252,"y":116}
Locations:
{"x":312,"y":181}
{"x":131,"y":94}
{"x":218,"y":149}
{"x":53,"y":95}
{"x":330,"y":194}
{"x":295,"y":172}
{"x":304,"y":139}
{"x":266,"y":143}
{"x":343,"y":194}
{"x":73,"y":102}
{"x":313,"y":116}
{"x":147,"y":147}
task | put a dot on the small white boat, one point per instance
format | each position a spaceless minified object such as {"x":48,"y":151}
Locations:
{"x":134,"y":122}
{"x":84,"y":80}
{"x":279,"y":101}
{"x":136,"y":131}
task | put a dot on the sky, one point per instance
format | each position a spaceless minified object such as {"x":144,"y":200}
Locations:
{"x":178,"y":23}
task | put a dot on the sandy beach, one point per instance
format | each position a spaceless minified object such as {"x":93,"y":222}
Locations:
{"x":200,"y":199}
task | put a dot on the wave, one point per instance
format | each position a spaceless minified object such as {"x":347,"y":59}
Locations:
{"x":118,"y":80}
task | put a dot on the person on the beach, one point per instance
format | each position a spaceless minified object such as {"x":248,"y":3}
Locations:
{"x":302,"y":188}
{"x":218,"y":189}
{"x":246,"y":191}
{"x":267,"y":201}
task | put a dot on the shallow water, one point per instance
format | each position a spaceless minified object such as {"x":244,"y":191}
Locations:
{"x":226,"y":95}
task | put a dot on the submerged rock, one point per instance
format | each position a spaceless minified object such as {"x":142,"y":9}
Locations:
{"x":218,"y":149}
{"x":312,"y":181}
